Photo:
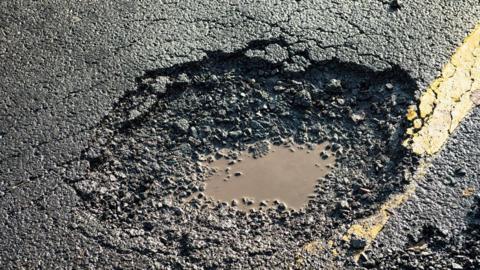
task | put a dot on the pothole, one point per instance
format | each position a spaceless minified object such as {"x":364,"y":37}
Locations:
{"x":268,"y":175}
{"x":145,"y":159}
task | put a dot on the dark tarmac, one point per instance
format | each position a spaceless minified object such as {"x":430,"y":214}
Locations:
{"x":73,"y":81}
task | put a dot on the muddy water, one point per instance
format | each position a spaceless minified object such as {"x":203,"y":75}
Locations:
{"x":286,"y":174}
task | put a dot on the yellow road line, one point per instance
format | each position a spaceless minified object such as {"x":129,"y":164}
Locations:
{"x":447,"y":100}
{"x":442,"y":106}
{"x":368,"y":228}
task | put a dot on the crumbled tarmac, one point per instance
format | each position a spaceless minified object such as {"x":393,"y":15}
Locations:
{"x":143,"y":160}
{"x":435,"y":248}
{"x":438,"y":228}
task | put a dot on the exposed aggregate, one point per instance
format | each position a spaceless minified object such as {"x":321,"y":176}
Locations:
{"x":143,"y":164}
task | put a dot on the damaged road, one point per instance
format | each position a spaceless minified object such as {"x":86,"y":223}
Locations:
{"x":143,"y":160}
{"x":109,"y":108}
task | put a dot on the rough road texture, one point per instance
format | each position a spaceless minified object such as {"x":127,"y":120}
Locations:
{"x":144,"y":158}
{"x":440,"y":224}
{"x":65,"y":66}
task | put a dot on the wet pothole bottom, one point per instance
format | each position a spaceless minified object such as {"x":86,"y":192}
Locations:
{"x":279,"y":176}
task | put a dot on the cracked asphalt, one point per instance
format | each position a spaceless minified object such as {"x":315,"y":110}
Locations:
{"x":65,"y":65}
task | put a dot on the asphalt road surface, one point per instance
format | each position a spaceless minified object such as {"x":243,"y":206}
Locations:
{"x":71,"y":70}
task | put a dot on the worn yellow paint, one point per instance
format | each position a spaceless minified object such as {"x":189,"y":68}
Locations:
{"x":370,"y":227}
{"x":412,"y":112}
{"x":367,"y":228}
{"x":468,"y":192}
{"x":313,"y":247}
{"x":441,"y":108}
{"x":447,"y":100}
{"x":417,"y":123}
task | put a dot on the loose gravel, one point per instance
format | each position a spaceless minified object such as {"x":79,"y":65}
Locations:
{"x":144,"y":159}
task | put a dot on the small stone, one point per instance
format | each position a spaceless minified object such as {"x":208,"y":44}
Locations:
{"x":282,"y":206}
{"x":449,"y":181}
{"x":343,"y":204}
{"x":234,"y":203}
{"x":396,"y":4}
{"x":303,"y":98}
{"x":263,"y":203}
{"x":358,"y":242}
{"x":336,"y":146}
{"x":238,"y":174}
{"x":235,"y":133}
{"x":158,"y":265}
{"x":366,"y":261}
{"x":279,"y":88}
{"x":358,"y":117}
{"x":160,"y":84}
{"x":133,"y":114}
{"x":148,"y":226}
{"x":461,"y":172}
{"x":183,"y":78}
{"x":178,"y":211}
{"x":456,"y":266}
{"x":296,"y":82}
{"x":135,"y":232}
{"x":389,"y":86}
{"x":247,"y":201}
{"x":334,"y":86}
{"x":182,"y":125}
{"x":222,"y":112}
{"x":365,"y":190}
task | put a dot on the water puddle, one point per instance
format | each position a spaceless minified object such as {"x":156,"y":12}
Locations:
{"x":284,"y":176}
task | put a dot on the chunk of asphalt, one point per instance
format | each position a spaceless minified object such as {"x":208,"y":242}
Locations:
{"x":334,"y":86}
{"x":182,"y":125}
{"x":460,"y":172}
{"x":303,"y":98}
{"x":358,"y":242}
